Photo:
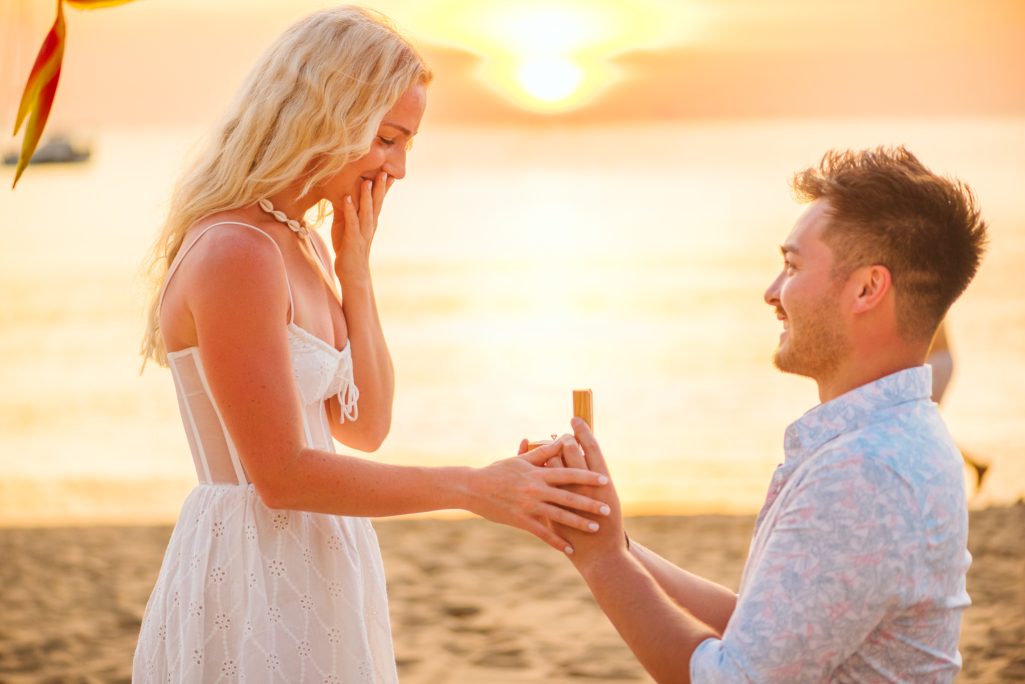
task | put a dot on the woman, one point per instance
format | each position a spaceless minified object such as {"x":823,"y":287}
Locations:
{"x":272,"y":571}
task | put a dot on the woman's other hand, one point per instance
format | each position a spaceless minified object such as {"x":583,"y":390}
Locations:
{"x":521,"y":492}
{"x":352,"y":236}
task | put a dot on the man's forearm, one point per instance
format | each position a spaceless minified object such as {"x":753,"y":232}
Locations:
{"x":661,"y":634}
{"x":709,"y":602}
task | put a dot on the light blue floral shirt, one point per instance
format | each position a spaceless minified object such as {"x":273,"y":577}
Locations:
{"x":857,"y":567}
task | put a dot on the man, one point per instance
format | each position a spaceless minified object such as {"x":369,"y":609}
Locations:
{"x":857,"y":567}
{"x":941,"y":358}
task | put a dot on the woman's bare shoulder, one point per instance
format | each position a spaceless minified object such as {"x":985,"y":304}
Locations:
{"x":229,"y":258}
{"x":231,"y":247}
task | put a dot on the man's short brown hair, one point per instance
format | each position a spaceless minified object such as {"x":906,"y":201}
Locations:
{"x":887,"y":208}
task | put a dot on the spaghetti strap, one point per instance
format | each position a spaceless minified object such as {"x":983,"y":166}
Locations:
{"x":322,"y":269}
{"x":185,"y":250}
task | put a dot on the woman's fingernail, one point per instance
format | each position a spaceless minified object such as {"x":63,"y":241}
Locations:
{"x":603,"y":480}
{"x":348,"y":199}
{"x":605,"y":510}
{"x":593,"y":526}
{"x":384,"y":177}
{"x":568,"y":550}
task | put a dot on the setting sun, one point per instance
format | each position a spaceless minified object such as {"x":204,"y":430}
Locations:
{"x":550,"y":78}
{"x":550,"y":56}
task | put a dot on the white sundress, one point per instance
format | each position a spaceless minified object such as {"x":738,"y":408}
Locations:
{"x":249,"y":593}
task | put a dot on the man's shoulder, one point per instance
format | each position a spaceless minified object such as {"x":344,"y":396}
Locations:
{"x":915,"y":428}
{"x":911,"y":449}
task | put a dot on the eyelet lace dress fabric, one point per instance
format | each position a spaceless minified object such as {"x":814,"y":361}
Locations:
{"x":248,"y":593}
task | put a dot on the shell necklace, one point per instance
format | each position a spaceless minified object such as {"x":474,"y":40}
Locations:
{"x":298,"y":227}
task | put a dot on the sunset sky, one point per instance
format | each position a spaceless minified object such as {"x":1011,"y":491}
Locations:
{"x":157,"y":62}
{"x":642,"y":146}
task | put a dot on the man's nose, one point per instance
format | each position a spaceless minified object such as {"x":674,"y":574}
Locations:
{"x":772,"y":293}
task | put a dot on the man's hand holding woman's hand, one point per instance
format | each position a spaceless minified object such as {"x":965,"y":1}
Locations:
{"x":610,"y":538}
{"x":521,"y":492}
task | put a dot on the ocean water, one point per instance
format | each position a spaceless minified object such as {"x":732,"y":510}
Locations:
{"x":512,"y":266}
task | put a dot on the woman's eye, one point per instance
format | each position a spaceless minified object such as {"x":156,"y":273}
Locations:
{"x":386,"y":141}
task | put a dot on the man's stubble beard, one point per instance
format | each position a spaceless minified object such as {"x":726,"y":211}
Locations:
{"x":820,"y":345}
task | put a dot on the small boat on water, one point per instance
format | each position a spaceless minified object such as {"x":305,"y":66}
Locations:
{"x":57,"y":150}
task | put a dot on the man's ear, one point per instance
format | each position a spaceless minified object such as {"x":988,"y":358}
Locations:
{"x":871,"y":285}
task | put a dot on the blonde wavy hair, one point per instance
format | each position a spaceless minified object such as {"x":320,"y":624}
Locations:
{"x":311,"y":104}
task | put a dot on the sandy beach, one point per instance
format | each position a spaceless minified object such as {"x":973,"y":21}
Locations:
{"x":472,"y":603}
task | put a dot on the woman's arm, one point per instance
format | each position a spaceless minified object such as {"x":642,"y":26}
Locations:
{"x":372,"y":369}
{"x":352,"y":233}
{"x":236,"y":291}
{"x":373,"y":372}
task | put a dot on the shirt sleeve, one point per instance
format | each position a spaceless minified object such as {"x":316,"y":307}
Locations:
{"x":833,"y":565}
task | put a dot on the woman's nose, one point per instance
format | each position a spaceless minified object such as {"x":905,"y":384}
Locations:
{"x":395,"y":165}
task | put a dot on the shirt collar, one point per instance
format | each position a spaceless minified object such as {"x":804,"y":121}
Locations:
{"x":855,"y":408}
